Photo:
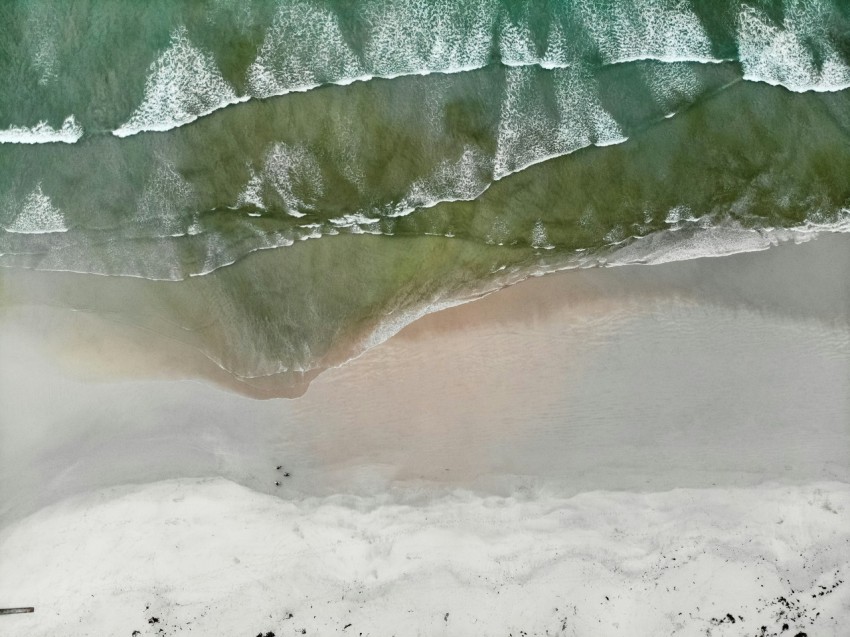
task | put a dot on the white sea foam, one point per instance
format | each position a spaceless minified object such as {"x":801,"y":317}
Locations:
{"x":462,"y":180}
{"x":397,"y":319}
{"x":539,"y":236}
{"x":580,"y":121}
{"x":712,"y":242}
{"x":557,"y":53}
{"x":695,"y":239}
{"x":312,"y":233}
{"x":673,"y":84}
{"x":529,"y":133}
{"x":252,"y":194}
{"x":166,"y":198}
{"x":664,"y":30}
{"x":525,"y":138}
{"x":786,"y":55}
{"x":183,"y":84}
{"x":676,"y":214}
{"x":525,"y":126}
{"x":422,"y":37}
{"x":40,"y":33}
{"x":583,"y":120}
{"x":353,"y":220}
{"x":43,"y":133}
{"x":516,"y":45}
{"x":303,"y":48}
{"x":294,"y":173}
{"x":38,"y":215}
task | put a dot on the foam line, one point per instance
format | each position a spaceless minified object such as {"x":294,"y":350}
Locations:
{"x":43,"y":133}
{"x":184,"y":84}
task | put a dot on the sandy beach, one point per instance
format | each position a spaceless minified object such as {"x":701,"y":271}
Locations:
{"x":402,"y":318}
{"x":211,"y":557}
{"x":693,"y":411}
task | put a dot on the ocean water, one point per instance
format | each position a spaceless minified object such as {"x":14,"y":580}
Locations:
{"x":285,"y":183}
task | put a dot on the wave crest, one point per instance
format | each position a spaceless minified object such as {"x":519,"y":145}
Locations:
{"x":184,"y":84}
{"x":43,"y":133}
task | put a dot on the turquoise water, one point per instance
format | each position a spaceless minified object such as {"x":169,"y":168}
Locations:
{"x":308,"y":171}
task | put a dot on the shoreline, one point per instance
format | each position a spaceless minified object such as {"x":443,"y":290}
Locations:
{"x":670,"y":438}
{"x":85,"y":339}
{"x":572,"y":406}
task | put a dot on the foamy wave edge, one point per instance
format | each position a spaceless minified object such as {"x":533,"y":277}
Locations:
{"x":694,"y":241}
{"x":161,"y":127}
{"x":688,"y":241}
{"x":666,"y":246}
{"x":127,"y":131}
{"x":43,"y":133}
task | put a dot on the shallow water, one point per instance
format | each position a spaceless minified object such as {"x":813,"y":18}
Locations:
{"x":476,"y":142}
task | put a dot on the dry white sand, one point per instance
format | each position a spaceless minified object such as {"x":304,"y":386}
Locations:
{"x":470,"y":466}
{"x":214,"y":558}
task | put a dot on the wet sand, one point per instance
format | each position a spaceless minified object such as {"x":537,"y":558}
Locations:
{"x":729,"y":377}
{"x":722,"y":371}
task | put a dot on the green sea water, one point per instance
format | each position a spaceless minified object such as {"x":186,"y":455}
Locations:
{"x":281,"y":184}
